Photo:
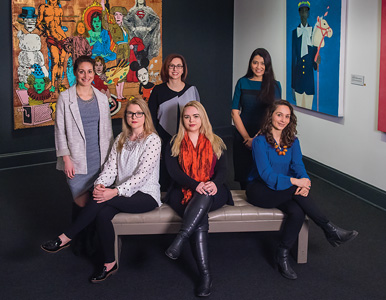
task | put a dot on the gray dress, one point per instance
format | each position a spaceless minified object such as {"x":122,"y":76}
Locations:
{"x":89,"y":113}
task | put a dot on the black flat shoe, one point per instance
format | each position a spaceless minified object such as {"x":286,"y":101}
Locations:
{"x":54,"y":246}
{"x":99,"y":277}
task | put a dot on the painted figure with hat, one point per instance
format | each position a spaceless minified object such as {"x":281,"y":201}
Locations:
{"x":120,"y":35}
{"x":37,"y":82}
{"x":30,"y":54}
{"x":303,"y":56}
{"x":28,"y":18}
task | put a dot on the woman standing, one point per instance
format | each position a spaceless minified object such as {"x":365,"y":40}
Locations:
{"x":253,"y":94}
{"x":128,"y":183}
{"x":280,"y":180}
{"x":197,"y":164}
{"x":83,"y":132}
{"x":166,"y":100}
{"x":83,"y":135}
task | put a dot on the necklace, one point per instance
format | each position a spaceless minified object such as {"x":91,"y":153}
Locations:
{"x":280,"y":151}
{"x":130,"y":145}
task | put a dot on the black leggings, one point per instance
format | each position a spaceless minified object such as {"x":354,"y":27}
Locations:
{"x":294,"y":206}
{"x":104,"y":212}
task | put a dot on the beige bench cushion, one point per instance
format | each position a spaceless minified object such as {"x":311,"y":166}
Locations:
{"x":241,"y":211}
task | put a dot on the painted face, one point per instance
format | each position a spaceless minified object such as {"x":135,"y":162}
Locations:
{"x":81,"y":29}
{"x":258,"y":67}
{"x":39,"y":85}
{"x":191,"y":119}
{"x":118,"y":17}
{"x":137,"y":120}
{"x":30,"y":24}
{"x":304,"y":13}
{"x":176,"y":68}
{"x":85,"y":74}
{"x":96,"y":22}
{"x":98,"y":67}
{"x":281,"y":117}
{"x":143,"y":76}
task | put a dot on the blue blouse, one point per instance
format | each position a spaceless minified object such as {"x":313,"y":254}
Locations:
{"x":273,"y":169}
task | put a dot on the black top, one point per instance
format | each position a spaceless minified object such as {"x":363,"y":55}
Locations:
{"x":165,"y":106}
{"x":181,"y":179}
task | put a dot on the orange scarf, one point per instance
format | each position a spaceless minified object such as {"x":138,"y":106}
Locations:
{"x":195,"y":162}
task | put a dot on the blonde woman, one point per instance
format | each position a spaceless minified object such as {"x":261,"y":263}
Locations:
{"x":196,"y":162}
{"x":128,"y":183}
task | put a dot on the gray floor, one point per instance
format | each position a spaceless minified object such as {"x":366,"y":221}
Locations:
{"x":35,"y":206}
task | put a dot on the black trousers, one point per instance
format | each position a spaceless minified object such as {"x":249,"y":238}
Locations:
{"x":294,"y":206}
{"x":104,"y":212}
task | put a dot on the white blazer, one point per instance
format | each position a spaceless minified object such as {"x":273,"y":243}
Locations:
{"x":69,"y":133}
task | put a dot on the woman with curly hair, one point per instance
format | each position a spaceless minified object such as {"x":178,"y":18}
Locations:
{"x":279,"y":179}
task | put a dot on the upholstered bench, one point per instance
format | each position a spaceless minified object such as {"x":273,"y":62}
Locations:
{"x":242,"y":217}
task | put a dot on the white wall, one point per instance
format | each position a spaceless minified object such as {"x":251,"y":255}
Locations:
{"x":350,"y":144}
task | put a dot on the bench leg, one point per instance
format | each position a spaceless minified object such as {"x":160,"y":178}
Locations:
{"x":303,"y":243}
{"x":117,"y":248}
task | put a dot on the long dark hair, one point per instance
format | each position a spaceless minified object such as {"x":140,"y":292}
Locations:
{"x":267,"y":93}
{"x":288,"y":134}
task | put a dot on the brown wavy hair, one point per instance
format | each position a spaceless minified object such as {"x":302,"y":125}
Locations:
{"x":288,"y":134}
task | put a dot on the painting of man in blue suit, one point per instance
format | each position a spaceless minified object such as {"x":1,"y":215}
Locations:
{"x":315,"y":54}
{"x":303,"y":55}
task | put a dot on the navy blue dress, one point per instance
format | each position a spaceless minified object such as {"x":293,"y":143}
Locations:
{"x":247,"y":99}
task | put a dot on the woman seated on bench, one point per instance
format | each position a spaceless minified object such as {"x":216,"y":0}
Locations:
{"x":196,"y":162}
{"x":128,"y":183}
{"x":280,"y":180}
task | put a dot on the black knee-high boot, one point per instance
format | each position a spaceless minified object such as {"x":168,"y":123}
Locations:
{"x":197,"y":209}
{"x":199,"y":245}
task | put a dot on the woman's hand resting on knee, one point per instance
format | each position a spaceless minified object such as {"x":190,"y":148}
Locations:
{"x":211,"y":188}
{"x":302,"y":182}
{"x":102,"y":194}
{"x":302,"y":191}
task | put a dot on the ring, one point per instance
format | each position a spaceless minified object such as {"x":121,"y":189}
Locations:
{"x":309,"y":186}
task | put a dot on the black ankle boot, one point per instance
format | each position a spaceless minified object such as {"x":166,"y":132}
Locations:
{"x":175,"y":248}
{"x":337,"y":236}
{"x":283,"y":263}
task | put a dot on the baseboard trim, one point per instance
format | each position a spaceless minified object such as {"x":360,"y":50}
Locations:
{"x":347,"y":183}
{"x":27,"y":158}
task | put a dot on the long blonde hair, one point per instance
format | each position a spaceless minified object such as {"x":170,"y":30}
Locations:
{"x":148,"y":126}
{"x":206,"y":129}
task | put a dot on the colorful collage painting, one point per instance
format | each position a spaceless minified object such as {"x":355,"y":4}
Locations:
{"x":123,"y":36}
{"x":315,"y":52}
